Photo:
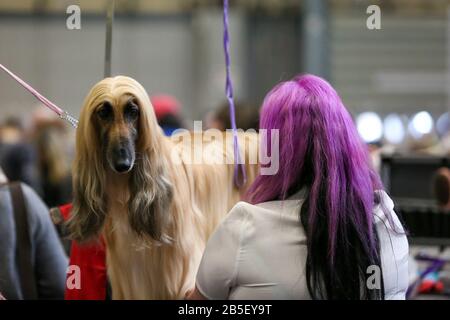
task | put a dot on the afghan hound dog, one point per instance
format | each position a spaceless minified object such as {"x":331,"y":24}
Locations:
{"x":141,"y":191}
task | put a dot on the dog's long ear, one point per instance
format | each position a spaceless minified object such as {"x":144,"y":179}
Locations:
{"x":89,"y":205}
{"x":150,"y":199}
{"x":151,"y":190}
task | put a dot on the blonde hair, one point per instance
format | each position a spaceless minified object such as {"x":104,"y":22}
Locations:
{"x":52,"y":153}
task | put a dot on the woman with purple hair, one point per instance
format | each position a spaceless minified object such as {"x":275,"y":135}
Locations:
{"x":321,"y":227}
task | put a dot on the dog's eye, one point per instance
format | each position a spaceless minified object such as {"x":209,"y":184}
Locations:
{"x":104,"y":112}
{"x":132,"y":110}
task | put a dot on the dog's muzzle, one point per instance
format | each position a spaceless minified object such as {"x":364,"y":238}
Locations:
{"x":122,"y":159}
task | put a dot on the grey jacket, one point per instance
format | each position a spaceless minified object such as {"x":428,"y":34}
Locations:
{"x":50,"y":261}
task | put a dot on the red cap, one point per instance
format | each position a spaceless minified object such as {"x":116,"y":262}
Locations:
{"x":165,"y":104}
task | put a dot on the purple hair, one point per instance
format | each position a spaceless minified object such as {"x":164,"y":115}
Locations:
{"x":321,"y":151}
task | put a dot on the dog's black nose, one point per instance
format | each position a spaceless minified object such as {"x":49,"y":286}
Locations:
{"x":121,"y":158}
{"x":123,"y":165}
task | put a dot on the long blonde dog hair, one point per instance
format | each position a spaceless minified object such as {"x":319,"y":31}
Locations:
{"x":149,"y":189}
{"x":156,"y":234}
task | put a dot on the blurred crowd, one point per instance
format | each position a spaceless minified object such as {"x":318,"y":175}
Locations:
{"x":37,"y":150}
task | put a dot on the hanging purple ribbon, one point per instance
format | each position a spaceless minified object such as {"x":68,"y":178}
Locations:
{"x":239,"y":180}
{"x":61,"y":113}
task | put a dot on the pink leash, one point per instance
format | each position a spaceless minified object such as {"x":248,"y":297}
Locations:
{"x":61,"y":113}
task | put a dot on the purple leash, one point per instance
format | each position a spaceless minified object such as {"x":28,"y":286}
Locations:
{"x":239,"y":180}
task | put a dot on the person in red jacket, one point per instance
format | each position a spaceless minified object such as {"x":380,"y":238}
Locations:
{"x":88,"y":262}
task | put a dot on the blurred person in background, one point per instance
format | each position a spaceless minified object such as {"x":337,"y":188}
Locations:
{"x":167,"y":110}
{"x":32,"y":261}
{"x":3,"y":178}
{"x":428,"y":144}
{"x":53,"y":161}
{"x":375,"y":151}
{"x":17,"y":156}
{"x":246,"y":117}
